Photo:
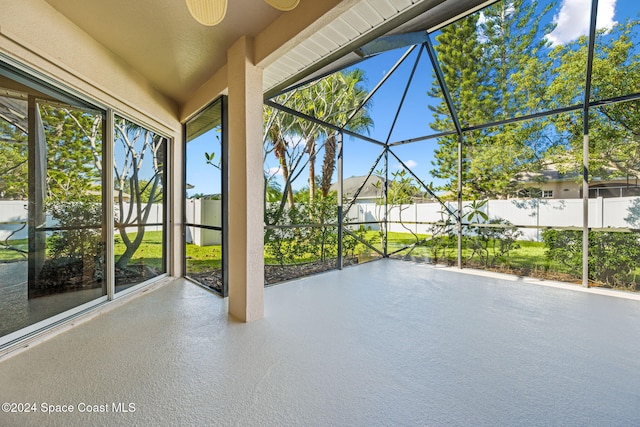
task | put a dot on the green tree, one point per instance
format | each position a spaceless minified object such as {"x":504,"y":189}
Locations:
{"x":614,"y":129}
{"x":346,"y":95}
{"x":495,"y":68}
{"x":460,"y":54}
{"x":515,"y":56}
{"x":278,"y":127}
{"x":74,"y":153}
{"x":13,"y":149}
{"x":337,"y":100}
{"x":272,"y":191}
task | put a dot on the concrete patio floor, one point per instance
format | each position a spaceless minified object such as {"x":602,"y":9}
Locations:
{"x":385,"y":343}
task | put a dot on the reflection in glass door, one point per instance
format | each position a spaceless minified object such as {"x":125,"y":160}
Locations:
{"x":140,"y":205}
{"x":51,"y":216}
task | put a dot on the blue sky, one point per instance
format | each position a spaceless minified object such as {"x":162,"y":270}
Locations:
{"x":204,"y":177}
{"x":572,"y":20}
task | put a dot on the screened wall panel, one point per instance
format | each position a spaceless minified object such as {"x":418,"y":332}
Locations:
{"x":617,"y":51}
{"x":205,"y":197}
{"x":419,"y":210}
{"x":363,"y":199}
{"x":477,"y":140}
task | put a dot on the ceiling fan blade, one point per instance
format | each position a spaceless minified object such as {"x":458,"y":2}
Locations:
{"x":284,"y":5}
{"x":207,"y":12}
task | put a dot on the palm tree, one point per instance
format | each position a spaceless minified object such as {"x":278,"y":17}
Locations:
{"x":349,"y":96}
{"x":337,"y":100}
{"x":278,"y":128}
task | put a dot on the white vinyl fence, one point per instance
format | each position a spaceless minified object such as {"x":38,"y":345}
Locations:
{"x":203,"y":211}
{"x":531,"y":215}
{"x":13,"y":217}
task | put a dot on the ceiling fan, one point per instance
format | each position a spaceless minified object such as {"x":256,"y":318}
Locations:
{"x":211,"y":12}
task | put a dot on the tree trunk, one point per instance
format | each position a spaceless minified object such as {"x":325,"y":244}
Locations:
{"x":311,"y":148}
{"x":329,"y":165}
{"x":280,"y":153}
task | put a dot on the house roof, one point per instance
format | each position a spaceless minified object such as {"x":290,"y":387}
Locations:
{"x":371,"y":189}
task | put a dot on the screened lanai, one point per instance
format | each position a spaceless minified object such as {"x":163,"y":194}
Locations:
{"x":489,"y":135}
{"x":505,"y":140}
{"x":458,"y":140}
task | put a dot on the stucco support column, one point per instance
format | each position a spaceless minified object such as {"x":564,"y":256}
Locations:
{"x":246,"y":181}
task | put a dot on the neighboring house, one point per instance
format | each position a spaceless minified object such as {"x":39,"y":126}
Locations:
{"x":553,"y":184}
{"x":370,"y":190}
{"x":547,"y":184}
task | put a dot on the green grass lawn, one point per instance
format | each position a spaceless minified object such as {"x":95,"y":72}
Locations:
{"x":528,"y":257}
{"x":148,"y":253}
{"x":9,"y":255}
{"x":203,"y":258}
{"x":150,"y":250}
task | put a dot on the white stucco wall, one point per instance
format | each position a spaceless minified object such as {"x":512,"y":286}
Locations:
{"x":35,"y":34}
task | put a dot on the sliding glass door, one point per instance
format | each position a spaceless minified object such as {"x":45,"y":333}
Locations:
{"x":139,"y":203}
{"x":52,"y":246}
{"x":83,"y":204}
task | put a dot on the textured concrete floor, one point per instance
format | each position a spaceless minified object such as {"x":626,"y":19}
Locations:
{"x":386,"y":343}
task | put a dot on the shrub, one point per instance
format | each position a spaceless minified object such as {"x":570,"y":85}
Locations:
{"x":307,"y":231}
{"x":76,"y":250}
{"x":613,"y":256}
{"x":493,"y":243}
{"x":77,"y":239}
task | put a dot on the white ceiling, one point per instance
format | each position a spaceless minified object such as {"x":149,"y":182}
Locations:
{"x":161,"y":40}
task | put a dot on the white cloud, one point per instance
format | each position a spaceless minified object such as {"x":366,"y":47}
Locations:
{"x":572,"y":21}
{"x":396,"y":166}
{"x":481,"y":19}
{"x":411,"y":164}
{"x":275,"y":171}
